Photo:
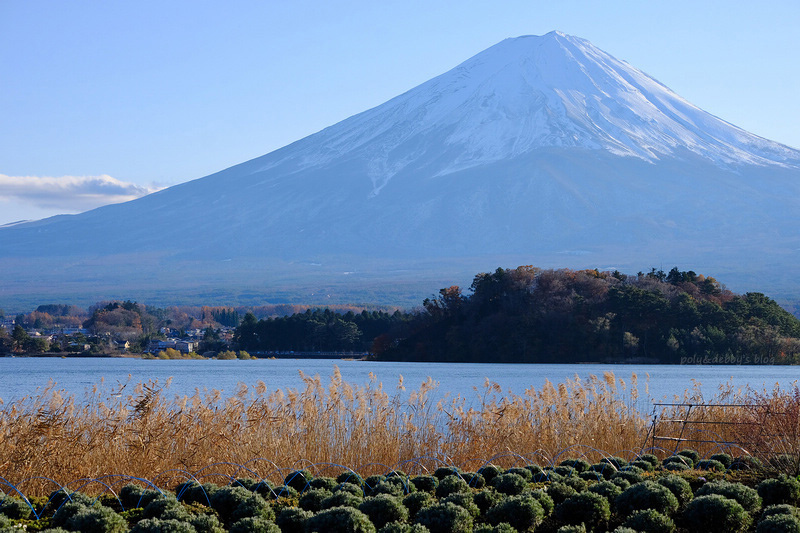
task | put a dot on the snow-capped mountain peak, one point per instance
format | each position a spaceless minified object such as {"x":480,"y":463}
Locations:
{"x":528,"y":93}
{"x":539,"y":150}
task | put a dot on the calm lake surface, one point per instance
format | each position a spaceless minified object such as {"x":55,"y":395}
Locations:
{"x":24,"y":376}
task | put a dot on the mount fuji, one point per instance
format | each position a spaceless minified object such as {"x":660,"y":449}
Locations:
{"x":540,"y":150}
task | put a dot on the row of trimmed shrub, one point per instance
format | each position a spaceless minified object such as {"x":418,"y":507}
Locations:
{"x":644,"y":495}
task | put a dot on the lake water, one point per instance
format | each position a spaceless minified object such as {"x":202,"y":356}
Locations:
{"x":24,"y":376}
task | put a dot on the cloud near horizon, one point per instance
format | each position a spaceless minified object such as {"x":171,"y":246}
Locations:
{"x":68,"y":194}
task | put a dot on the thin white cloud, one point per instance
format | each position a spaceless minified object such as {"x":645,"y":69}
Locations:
{"x":69,"y":194}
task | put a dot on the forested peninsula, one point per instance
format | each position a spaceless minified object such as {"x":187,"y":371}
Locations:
{"x":531,"y":315}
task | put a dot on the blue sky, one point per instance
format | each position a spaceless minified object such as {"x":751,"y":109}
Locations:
{"x":103,"y":101}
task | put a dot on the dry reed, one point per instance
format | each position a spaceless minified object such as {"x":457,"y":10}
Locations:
{"x":137,"y":431}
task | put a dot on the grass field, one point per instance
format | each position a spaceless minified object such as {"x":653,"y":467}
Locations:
{"x":141,"y":431}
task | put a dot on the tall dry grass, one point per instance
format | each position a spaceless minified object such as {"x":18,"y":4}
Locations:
{"x":139,"y":431}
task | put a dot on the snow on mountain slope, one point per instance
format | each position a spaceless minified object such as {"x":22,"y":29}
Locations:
{"x":541,"y":150}
{"x":529,"y":93}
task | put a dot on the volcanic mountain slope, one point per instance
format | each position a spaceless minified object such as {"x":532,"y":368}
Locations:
{"x":539,"y":150}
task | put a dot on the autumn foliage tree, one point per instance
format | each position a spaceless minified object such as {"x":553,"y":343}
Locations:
{"x":533,"y":315}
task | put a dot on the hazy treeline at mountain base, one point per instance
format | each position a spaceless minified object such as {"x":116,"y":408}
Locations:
{"x":317,"y":330}
{"x":530,"y":315}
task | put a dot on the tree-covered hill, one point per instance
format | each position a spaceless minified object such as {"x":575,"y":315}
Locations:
{"x":529,"y":315}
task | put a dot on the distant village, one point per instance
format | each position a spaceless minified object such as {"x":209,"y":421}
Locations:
{"x":131,"y":329}
{"x":119,"y":329}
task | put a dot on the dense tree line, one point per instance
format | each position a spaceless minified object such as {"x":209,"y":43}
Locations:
{"x":315,"y":330}
{"x":533,"y":315}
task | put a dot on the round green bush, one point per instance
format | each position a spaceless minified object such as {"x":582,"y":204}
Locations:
{"x":678,"y":459}
{"x":646,"y":495}
{"x":235,"y":503}
{"x":714,"y":513}
{"x":525,"y":473}
{"x":510,"y":483}
{"x":502,"y":527}
{"x":293,"y":520}
{"x":522,"y":512}
{"x":207,"y":523}
{"x":572,"y":528}
{"x":97,"y":519}
{"x":544,"y":499}
{"x":371,"y":482}
{"x":450,"y":484}
{"x":416,"y":501}
{"x":132,"y":496}
{"x":342,"y":499}
{"x":4,"y":520}
{"x":489,"y":472}
{"x":444,"y":471}
{"x":630,"y":476}
{"x":586,"y":508}
{"x":14,"y":508}
{"x":311,"y":500}
{"x":403,"y":483}
{"x":283,"y":491}
{"x":780,"y":508}
{"x":723,"y":458}
{"x":166,"y":509}
{"x":559,"y":492}
{"x":650,"y":521}
{"x":676,"y":466}
{"x":157,"y":525}
{"x":779,"y":523}
{"x":576,"y":483}
{"x":607,"y":490}
{"x":60,"y":497}
{"x":747,"y":497}
{"x":548,"y":474}
{"x":188,"y":492}
{"x":349,"y":487}
{"x":536,"y":471}
{"x":621,"y":483}
{"x":253,"y":524}
{"x":327,"y":483}
{"x":649,"y":458}
{"x":445,"y":518}
{"x":298,"y":480}
{"x":691,"y":454}
{"x":350,"y":477}
{"x":465,"y":500}
{"x":645,"y":466}
{"x":340,"y":520}
{"x":779,"y":490}
{"x":400,"y":527}
{"x":426,"y":483}
{"x":604,"y":469}
{"x":392,"y":489}
{"x":591,"y":475}
{"x":710,"y":465}
{"x":565,"y":471}
{"x":486,"y":499}
{"x":678,"y":486}
{"x":581,"y":465}
{"x":382,"y":509}
{"x":474,"y":480}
